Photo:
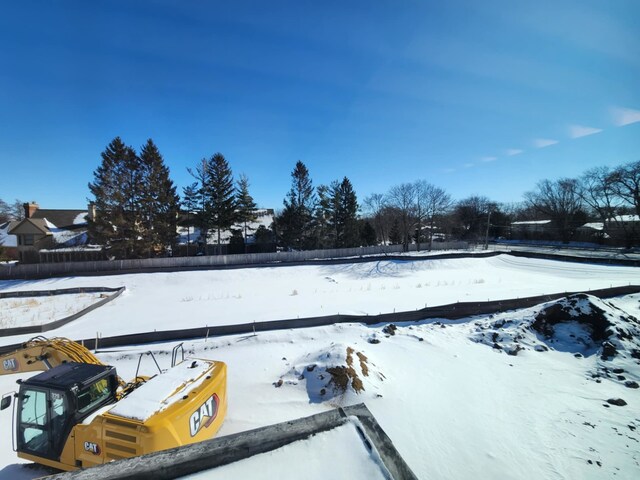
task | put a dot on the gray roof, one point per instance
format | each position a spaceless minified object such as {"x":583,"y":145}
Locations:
{"x":60,"y":218}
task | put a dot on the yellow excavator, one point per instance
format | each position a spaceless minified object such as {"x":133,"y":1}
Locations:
{"x":79,"y":413}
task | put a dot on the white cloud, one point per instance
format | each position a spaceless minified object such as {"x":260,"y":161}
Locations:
{"x":468,"y":165}
{"x":543,"y":142}
{"x":513,"y":151}
{"x":448,"y":170}
{"x":624,"y":116}
{"x":577,"y":131}
{"x":488,"y":159}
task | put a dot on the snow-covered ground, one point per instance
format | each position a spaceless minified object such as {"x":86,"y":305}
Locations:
{"x":28,"y":311}
{"x":455,"y":403}
{"x":164,"y":301}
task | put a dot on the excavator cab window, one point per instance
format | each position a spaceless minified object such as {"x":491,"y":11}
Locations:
{"x":93,"y":395}
{"x":33,"y":431}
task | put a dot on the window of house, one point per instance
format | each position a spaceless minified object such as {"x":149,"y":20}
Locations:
{"x":28,"y":239}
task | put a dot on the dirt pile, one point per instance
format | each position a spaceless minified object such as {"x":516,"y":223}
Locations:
{"x":580,"y":324}
{"x":336,"y":374}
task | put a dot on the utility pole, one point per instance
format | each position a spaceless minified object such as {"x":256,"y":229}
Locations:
{"x":486,"y":235}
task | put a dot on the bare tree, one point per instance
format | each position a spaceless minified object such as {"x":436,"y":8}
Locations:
{"x":403,"y":198}
{"x":595,"y":188}
{"x":373,"y":207}
{"x":560,"y":201}
{"x":5,"y":212}
{"x":431,"y":202}
{"x":625,"y":182}
{"x":471,"y":215}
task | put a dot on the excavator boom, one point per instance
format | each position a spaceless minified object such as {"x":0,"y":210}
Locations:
{"x":41,"y":353}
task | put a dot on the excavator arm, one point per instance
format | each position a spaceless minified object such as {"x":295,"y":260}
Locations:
{"x":41,"y":353}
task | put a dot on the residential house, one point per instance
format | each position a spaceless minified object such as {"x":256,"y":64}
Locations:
{"x":46,"y":235}
{"x":530,"y":229}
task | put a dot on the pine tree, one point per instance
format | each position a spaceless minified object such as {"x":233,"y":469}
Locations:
{"x":116,"y":191}
{"x":344,"y":214}
{"x":190,"y":202}
{"x":368,"y":234}
{"x":295,"y":221}
{"x":203,"y":205}
{"x":246,"y":207}
{"x":159,"y":202}
{"x":220,"y":195}
{"x":395,"y":237}
{"x":323,"y":231}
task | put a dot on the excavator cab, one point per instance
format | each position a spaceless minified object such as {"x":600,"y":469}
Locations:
{"x":52,"y":402}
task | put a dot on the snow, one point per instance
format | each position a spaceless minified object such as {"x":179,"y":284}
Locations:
{"x":532,"y":222}
{"x":28,"y":311}
{"x":338,"y":453}
{"x":67,"y":237}
{"x":163,"y":390}
{"x":155,"y":301}
{"x":81,"y":219}
{"x":454,"y":406}
{"x":192,"y":234}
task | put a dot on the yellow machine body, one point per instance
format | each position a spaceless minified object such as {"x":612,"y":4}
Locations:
{"x":183,"y":405}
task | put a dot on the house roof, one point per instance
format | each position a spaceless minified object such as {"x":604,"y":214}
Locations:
{"x":62,"y":218}
{"x":625,"y":218}
{"x":532,"y":222}
{"x":27,"y":224}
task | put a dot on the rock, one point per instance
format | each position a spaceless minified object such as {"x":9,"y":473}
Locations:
{"x":618,"y":370}
{"x":621,"y":377}
{"x":278,"y":384}
{"x":497,"y":347}
{"x":373,"y":340}
{"x":515,"y":350}
{"x":541,"y":348}
{"x":631,"y":384}
{"x":420,"y":339}
{"x":577,"y":355}
{"x":390,"y":329}
{"x":617,"y":401}
{"x":608,"y":350}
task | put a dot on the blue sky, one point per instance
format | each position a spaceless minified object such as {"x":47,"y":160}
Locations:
{"x":477,"y":97}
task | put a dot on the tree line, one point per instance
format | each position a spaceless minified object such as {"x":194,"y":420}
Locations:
{"x":137,"y":208}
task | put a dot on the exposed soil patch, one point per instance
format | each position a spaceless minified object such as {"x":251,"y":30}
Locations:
{"x":337,"y":373}
{"x":572,"y":309}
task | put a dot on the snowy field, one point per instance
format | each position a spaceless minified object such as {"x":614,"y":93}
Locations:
{"x":28,"y":311}
{"x":165,"y":301}
{"x":500,"y":396}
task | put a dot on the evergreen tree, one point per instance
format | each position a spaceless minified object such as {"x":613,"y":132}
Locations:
{"x":296,"y":220}
{"x":116,"y":191}
{"x":159,"y":201}
{"x":220,"y":195}
{"x":323,"y":232}
{"x":246,"y":207}
{"x":190,"y":202}
{"x":201,"y":198}
{"x":368,"y":235}
{"x":345,"y":214}
{"x":395,"y":236}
